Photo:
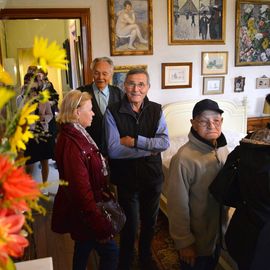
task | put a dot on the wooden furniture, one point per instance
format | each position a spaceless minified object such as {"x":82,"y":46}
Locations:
{"x":254,"y":123}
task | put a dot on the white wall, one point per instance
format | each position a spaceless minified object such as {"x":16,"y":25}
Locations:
{"x":165,"y":53}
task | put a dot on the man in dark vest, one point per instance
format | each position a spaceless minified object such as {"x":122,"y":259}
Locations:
{"x":102,"y":94}
{"x":136,"y":133}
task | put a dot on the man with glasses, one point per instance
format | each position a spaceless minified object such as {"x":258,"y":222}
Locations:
{"x":136,"y":133}
{"x":102,"y":94}
{"x":193,"y":213}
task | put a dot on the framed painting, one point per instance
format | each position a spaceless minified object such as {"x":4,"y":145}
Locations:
{"x":214,"y":63}
{"x":239,"y":84}
{"x":176,"y":75}
{"x":213,"y":85}
{"x":196,"y":21}
{"x":120,"y":72}
{"x":263,"y":82}
{"x":130,"y":27}
{"x":252,"y":35}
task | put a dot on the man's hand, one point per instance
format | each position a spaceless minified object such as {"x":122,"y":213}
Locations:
{"x":188,"y":255}
{"x":128,"y":141}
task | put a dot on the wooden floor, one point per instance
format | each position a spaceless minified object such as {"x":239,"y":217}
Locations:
{"x":45,"y":243}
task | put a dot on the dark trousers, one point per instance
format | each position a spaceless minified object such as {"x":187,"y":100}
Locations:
{"x":141,"y":207}
{"x":107,"y":252}
{"x":203,"y":262}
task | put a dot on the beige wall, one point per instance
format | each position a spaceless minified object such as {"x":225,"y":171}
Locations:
{"x":164,"y":53}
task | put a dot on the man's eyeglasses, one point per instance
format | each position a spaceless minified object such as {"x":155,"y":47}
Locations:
{"x":207,"y":123}
{"x":140,"y":85}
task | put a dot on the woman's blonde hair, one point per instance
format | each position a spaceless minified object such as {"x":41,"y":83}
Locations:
{"x":72,"y":100}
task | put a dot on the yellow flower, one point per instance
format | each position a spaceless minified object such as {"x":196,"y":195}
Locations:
{"x":49,"y":55}
{"x":5,"y":95}
{"x":26,"y":116}
{"x":20,"y":138}
{"x":5,"y":77}
{"x":44,"y":96}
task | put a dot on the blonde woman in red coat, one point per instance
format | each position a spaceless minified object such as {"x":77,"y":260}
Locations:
{"x":82,"y":166}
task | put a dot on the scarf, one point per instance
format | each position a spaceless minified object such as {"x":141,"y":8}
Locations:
{"x":80,"y":128}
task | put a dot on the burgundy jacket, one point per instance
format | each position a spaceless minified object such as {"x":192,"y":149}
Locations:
{"x":74,"y":209}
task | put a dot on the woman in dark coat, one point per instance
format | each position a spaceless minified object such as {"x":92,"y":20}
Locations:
{"x":82,"y":166}
{"x":248,"y":231}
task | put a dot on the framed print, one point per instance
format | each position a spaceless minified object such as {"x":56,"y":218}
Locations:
{"x":213,"y":85}
{"x":196,"y":21}
{"x":252,"y":34}
{"x":214,"y":63}
{"x":262,"y":83}
{"x":120,"y":72}
{"x":176,"y":75}
{"x":130,"y":27}
{"x":239,"y":84}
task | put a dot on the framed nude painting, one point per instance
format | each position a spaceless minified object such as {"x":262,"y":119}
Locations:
{"x":196,"y":21}
{"x":130,"y":27}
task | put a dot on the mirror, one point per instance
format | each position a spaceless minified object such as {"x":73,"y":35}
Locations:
{"x":69,"y":27}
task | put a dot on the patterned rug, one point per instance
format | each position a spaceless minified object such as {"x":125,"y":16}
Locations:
{"x":163,"y":247}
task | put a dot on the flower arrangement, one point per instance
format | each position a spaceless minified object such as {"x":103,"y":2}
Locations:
{"x":255,"y":33}
{"x":19,"y":193}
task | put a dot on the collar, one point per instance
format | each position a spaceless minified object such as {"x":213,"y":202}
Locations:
{"x":105,"y":91}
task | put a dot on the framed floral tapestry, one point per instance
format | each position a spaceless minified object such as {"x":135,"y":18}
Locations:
{"x":196,"y":21}
{"x":252,"y":36}
{"x":130,"y":27}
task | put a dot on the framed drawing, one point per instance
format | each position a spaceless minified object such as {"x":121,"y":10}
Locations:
{"x":176,"y":75}
{"x":263,"y":82}
{"x":120,"y":72}
{"x":196,"y":21}
{"x":214,"y":63}
{"x":213,"y":85}
{"x":239,"y":84}
{"x":130,"y":27}
{"x":252,"y":35}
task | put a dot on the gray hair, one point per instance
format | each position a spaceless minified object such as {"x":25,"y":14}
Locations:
{"x":102,"y":59}
{"x":139,"y":71}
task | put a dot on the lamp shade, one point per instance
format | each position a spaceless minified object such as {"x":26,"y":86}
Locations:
{"x":266,"y":107}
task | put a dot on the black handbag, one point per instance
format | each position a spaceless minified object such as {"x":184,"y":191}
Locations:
{"x":225,"y":188}
{"x":114,"y":213}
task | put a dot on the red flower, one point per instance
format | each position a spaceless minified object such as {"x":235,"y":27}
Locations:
{"x":16,"y":186}
{"x":11,"y":242}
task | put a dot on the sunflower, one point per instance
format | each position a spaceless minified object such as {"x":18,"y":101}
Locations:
{"x":26,"y":115}
{"x":44,"y":96}
{"x":49,"y":55}
{"x":5,"y":78}
{"x":5,"y":95}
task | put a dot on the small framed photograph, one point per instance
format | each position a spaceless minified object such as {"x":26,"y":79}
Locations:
{"x":176,"y":75}
{"x":120,"y":73}
{"x":213,"y":85}
{"x":239,"y":84}
{"x":262,"y":83}
{"x":214,"y":63}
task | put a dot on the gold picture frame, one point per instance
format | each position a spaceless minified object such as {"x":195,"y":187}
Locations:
{"x":176,"y":75}
{"x":213,"y":85}
{"x":252,"y":47}
{"x":214,"y":63}
{"x":188,"y":22}
{"x":124,"y":38}
{"x":120,"y":72}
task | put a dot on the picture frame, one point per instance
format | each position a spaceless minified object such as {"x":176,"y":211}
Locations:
{"x":188,"y":22}
{"x":239,"y":84}
{"x":124,"y":40}
{"x":263,"y":83}
{"x":213,"y":85}
{"x":176,"y":75}
{"x":214,"y":63}
{"x":252,"y":33}
{"x":120,"y":72}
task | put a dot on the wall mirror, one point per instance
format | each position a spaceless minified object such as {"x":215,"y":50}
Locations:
{"x":69,"y":27}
